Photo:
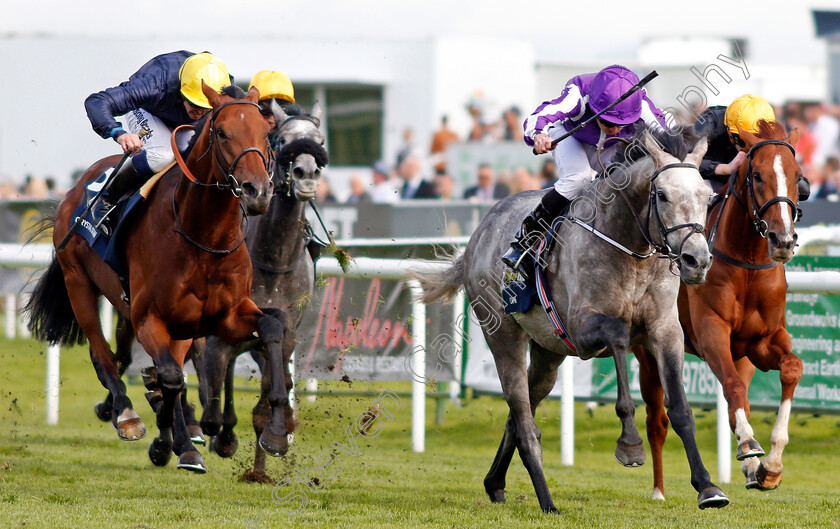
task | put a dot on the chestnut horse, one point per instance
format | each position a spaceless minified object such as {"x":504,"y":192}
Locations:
{"x":188,"y":273}
{"x":736,"y":320}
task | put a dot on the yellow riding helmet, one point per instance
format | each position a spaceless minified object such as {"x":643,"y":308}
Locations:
{"x":273,"y":84}
{"x":202,"y":67}
{"x":746,"y":112}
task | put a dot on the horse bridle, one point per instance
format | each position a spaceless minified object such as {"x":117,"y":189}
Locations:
{"x":664,"y":249}
{"x":286,"y":183}
{"x":232,"y":183}
{"x":757,"y":212}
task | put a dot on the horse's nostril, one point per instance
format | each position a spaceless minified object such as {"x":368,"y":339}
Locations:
{"x":688,"y":260}
{"x":249,"y":189}
{"x":773,"y":238}
{"x":298,"y":172}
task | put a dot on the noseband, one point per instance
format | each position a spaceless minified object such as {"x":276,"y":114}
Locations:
{"x":757,"y":212}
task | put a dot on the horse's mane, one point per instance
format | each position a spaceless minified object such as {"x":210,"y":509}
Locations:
{"x":678,"y":142}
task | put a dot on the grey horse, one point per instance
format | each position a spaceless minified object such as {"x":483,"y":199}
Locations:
{"x":283,"y":280}
{"x":607,"y":298}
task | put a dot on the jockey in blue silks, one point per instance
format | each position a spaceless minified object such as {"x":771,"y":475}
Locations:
{"x":577,"y":157}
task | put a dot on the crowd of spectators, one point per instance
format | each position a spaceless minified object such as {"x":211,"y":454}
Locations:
{"x":32,"y":188}
{"x":818,"y":148}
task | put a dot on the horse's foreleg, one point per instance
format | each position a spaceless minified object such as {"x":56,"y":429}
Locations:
{"x":667,"y":348}
{"x":225,"y":443}
{"x":168,"y":356}
{"x":596,"y":332}
{"x":85,"y":302}
{"x":769,"y":473}
{"x":215,"y":364}
{"x":542,"y":374}
{"x":713,"y":341}
{"x":657,"y":419}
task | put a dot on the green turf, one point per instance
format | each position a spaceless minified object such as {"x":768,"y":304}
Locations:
{"x":78,"y":474}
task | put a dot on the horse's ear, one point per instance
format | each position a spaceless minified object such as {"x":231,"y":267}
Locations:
{"x":279,"y":115}
{"x":748,"y":137}
{"x":212,"y":96}
{"x":253,"y":95}
{"x":317,"y":112}
{"x":696,"y":156}
{"x":793,"y":137}
{"x":654,"y":148}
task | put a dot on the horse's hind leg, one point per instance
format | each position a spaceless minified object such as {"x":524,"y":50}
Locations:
{"x":125,"y":338}
{"x":542,"y":374}
{"x":225,"y":443}
{"x":85,"y":301}
{"x":769,"y":473}
{"x":657,"y":419}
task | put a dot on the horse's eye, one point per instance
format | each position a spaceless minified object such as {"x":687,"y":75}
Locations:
{"x":323,"y":140}
{"x":221,"y":134}
{"x":661,"y":196}
{"x":282,"y":140}
{"x":757,"y":177}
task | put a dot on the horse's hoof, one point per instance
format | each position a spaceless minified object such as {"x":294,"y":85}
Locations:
{"x":160,"y":452}
{"x":766,"y":480}
{"x":750,"y":448}
{"x":196,"y":434}
{"x":131,"y":429}
{"x":192,"y":461}
{"x":103,"y":412}
{"x":712,"y":497}
{"x":225,"y":444}
{"x":630,"y":455}
{"x":497,"y":496}
{"x":752,"y":483}
{"x":274,"y":445}
{"x":551,"y":509}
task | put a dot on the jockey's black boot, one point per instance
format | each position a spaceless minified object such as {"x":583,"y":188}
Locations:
{"x":127,"y":180}
{"x":534,"y":227}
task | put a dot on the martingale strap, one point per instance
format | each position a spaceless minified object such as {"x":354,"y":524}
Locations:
{"x":543,"y":293}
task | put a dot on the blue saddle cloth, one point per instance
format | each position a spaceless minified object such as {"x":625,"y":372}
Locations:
{"x":106,"y":246}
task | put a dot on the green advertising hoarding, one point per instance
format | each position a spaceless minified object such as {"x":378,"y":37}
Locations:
{"x":813,"y":321}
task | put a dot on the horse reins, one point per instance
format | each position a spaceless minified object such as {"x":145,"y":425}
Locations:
{"x":755,"y":213}
{"x":219,"y":159}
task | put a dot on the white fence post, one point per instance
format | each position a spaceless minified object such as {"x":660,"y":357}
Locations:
{"x":11,"y":315}
{"x":567,"y":412}
{"x":106,"y":317}
{"x":724,"y":445}
{"x":418,"y":367}
{"x":311,"y":385}
{"x":458,"y":314}
{"x":23,"y":319}
{"x":53,"y":382}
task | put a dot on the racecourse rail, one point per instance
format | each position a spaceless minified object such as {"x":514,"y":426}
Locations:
{"x":39,"y":255}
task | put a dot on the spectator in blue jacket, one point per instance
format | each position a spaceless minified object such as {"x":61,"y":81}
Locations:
{"x":163,"y":94}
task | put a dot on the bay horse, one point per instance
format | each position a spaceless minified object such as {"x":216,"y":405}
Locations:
{"x":736,"y":320}
{"x":188,"y":273}
{"x":283,"y":278}
{"x":609,"y":298}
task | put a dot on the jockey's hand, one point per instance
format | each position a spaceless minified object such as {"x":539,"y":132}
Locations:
{"x":542,"y":143}
{"x":130,"y":142}
{"x":731,"y":167}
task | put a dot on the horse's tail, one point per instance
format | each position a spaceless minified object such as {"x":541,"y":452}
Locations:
{"x":440,"y":284}
{"x":51,"y":317}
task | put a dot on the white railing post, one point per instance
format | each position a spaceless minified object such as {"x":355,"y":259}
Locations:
{"x":724,"y":444}
{"x":11,"y":315}
{"x":418,"y":367}
{"x":106,"y":317}
{"x":458,"y":315}
{"x":311,"y":386}
{"x":23,"y":319}
{"x":53,"y":381}
{"x":567,"y":412}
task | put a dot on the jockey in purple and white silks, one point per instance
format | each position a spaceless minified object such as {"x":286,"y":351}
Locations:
{"x":576,"y":157}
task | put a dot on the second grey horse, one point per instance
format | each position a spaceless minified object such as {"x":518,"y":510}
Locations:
{"x":608,"y":299}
